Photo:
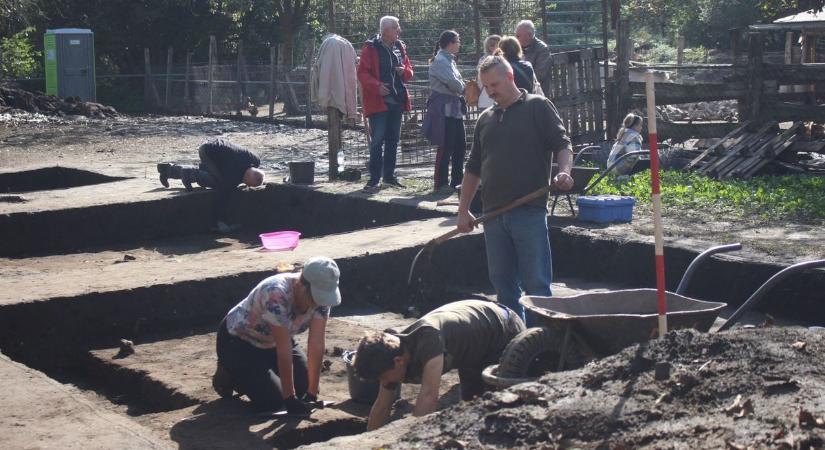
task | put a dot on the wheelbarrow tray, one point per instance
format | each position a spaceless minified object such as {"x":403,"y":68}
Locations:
{"x":611,"y":321}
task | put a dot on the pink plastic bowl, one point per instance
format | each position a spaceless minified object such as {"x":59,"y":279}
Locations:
{"x":280,"y":240}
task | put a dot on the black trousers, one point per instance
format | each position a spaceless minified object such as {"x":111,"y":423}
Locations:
{"x":254,"y":371}
{"x":453,"y":150}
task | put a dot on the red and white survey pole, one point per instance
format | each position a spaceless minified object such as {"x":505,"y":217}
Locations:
{"x":657,"y":203}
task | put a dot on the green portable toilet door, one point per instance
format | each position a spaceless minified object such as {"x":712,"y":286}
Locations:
{"x":77,"y":64}
{"x":50,"y":50}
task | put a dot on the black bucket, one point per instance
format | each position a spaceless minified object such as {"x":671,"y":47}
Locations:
{"x":302,"y":172}
{"x":361,"y":390}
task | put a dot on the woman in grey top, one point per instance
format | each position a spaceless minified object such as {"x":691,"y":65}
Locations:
{"x":444,"y":122}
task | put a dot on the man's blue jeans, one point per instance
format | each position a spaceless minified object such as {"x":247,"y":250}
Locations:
{"x":518,"y":255}
{"x":386,"y":131}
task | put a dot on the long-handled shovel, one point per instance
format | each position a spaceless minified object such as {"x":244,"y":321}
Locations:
{"x":430,"y":246}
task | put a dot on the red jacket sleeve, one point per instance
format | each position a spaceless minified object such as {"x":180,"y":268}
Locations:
{"x":408,"y":70}
{"x":366,"y":69}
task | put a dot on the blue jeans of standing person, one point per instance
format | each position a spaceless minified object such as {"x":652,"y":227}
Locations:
{"x":518,"y":255}
{"x":385,"y":132}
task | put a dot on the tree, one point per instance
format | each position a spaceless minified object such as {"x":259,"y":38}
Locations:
{"x":292,"y":14}
{"x":20,"y":59}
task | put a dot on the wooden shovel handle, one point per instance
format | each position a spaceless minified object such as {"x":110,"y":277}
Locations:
{"x":496,"y":212}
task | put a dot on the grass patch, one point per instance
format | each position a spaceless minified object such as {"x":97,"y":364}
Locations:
{"x":787,"y":197}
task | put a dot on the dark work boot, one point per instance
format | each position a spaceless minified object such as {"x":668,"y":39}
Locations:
{"x":163,"y":170}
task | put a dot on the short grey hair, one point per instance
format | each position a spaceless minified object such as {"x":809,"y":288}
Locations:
{"x":527,"y":24}
{"x":386,"y":21}
{"x":489,"y":40}
{"x":496,"y":62}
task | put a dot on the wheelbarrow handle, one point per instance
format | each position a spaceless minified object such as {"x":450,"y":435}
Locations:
{"x":615,"y":163}
{"x":701,"y":258}
{"x":772,"y":281}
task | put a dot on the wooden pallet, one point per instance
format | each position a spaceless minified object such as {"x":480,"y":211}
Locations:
{"x":744,"y":151}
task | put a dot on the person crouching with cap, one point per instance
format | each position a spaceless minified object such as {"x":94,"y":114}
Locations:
{"x":257,"y":352}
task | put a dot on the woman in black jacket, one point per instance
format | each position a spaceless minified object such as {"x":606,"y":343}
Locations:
{"x":525,"y":77}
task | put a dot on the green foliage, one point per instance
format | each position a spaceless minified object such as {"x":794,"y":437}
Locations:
{"x":797,"y":197}
{"x":20,"y":59}
{"x":705,"y":22}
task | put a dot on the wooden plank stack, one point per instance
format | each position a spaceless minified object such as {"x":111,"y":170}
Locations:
{"x":746,"y":150}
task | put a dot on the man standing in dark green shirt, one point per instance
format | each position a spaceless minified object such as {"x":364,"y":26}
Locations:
{"x":467,"y":335}
{"x":513,"y":146}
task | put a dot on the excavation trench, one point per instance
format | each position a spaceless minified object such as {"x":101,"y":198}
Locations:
{"x":72,"y":333}
{"x":127,"y":222}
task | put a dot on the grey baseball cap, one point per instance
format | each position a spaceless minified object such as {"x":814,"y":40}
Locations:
{"x":322,"y":274}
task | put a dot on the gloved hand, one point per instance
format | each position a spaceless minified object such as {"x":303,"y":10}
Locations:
{"x":312,"y":400}
{"x":296,"y":407}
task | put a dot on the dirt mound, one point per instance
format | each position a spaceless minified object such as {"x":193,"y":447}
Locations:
{"x":759,"y":388}
{"x":13,"y":100}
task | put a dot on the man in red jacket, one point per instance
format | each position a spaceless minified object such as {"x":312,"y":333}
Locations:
{"x":383,"y":71}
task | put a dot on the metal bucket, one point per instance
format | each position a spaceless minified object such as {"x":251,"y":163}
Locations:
{"x":361,"y":390}
{"x":301,"y":172}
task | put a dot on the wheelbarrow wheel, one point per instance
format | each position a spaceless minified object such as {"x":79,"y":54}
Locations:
{"x":531,"y":353}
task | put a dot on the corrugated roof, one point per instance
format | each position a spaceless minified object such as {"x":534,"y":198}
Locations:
{"x":807,"y":16}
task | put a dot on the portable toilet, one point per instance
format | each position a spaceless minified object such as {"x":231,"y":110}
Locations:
{"x":70,"y":63}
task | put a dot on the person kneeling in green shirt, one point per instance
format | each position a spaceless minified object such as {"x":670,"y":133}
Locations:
{"x":467,"y":335}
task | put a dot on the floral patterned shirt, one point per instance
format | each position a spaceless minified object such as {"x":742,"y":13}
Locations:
{"x":270,"y":304}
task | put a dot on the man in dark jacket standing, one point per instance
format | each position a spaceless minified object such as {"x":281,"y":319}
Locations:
{"x":383,"y":71}
{"x":223,"y":166}
{"x":536,"y":52}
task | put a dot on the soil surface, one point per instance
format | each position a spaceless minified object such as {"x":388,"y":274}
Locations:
{"x":40,"y":413}
{"x":132,"y":145}
{"x":748,"y":388}
{"x":612,"y":403}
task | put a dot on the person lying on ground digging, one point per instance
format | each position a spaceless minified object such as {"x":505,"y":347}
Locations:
{"x":467,"y":335}
{"x":257,"y":352}
{"x":223,"y":165}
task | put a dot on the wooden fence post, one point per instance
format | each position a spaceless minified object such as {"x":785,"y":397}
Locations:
{"x":310,"y":62}
{"x":623,"y":68}
{"x":334,"y":140}
{"x":272,"y":62}
{"x":755,"y":75}
{"x":210,"y":75}
{"x":169,"y":57}
{"x":186,"y":102}
{"x":607,"y":83}
{"x":150,"y":91}
{"x":789,"y":47}
{"x":241,"y":102}
{"x":147,"y":79}
{"x":331,"y":21}
{"x":680,"y":50}
{"x":734,"y":44}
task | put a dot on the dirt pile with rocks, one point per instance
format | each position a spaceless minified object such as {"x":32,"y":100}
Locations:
{"x":14,"y":100}
{"x":752,"y":388}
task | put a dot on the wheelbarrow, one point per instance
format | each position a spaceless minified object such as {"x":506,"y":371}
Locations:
{"x":575,"y":330}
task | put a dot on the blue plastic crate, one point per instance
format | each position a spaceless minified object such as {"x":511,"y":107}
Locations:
{"x":605,"y":208}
